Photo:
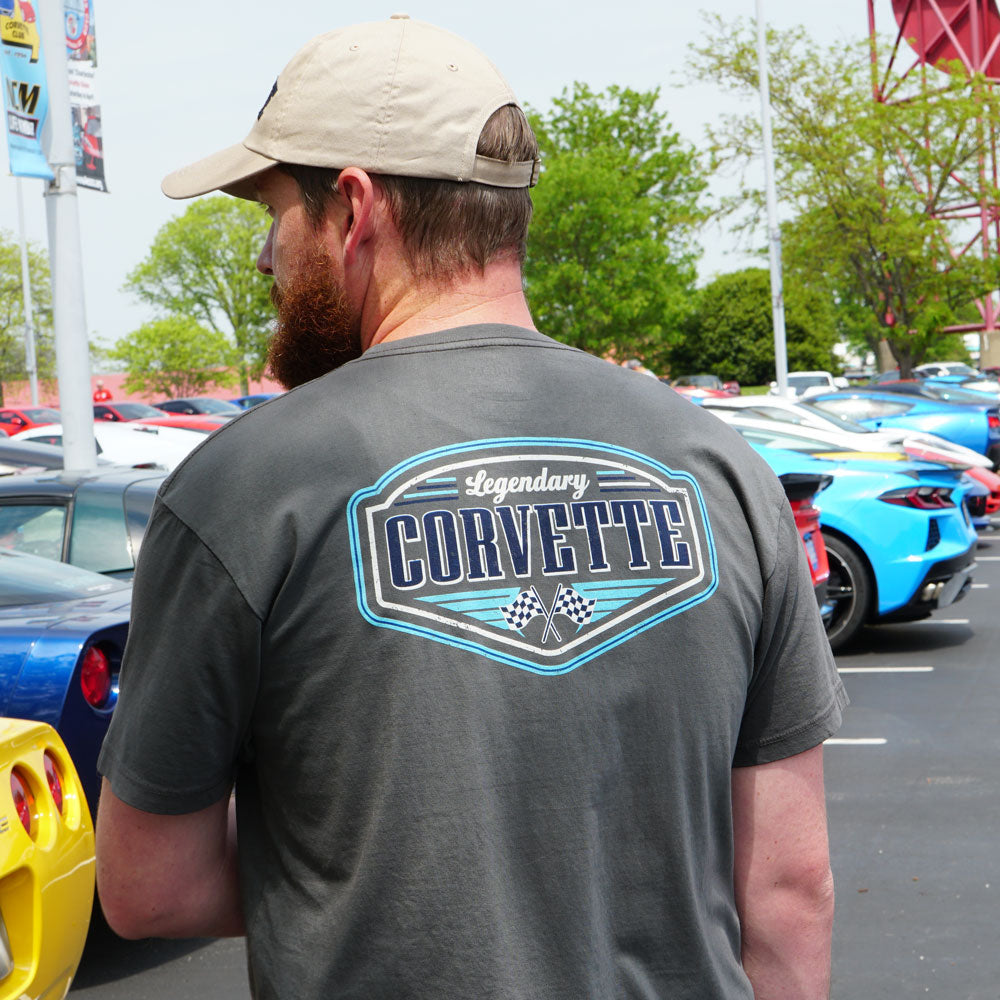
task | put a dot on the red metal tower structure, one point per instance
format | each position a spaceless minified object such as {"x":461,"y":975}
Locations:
{"x":967,"y":32}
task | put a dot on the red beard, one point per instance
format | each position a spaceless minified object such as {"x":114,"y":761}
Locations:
{"x":316,"y":330}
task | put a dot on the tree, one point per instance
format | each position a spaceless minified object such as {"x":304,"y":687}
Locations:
{"x":174,"y":356}
{"x":202,"y":265}
{"x":869,"y":183}
{"x":611,"y":250}
{"x":12,"y":352}
{"x":730,"y":332}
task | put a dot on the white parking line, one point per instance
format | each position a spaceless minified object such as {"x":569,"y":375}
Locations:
{"x":867,"y":742}
{"x":940,"y":621}
{"x":987,"y":558}
{"x":980,"y":586}
{"x":884,"y":670}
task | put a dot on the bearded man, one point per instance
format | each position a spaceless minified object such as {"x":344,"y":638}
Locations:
{"x":512,"y":658}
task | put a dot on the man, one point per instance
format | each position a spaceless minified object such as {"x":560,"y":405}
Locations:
{"x":101,"y":395}
{"x":513,"y":657}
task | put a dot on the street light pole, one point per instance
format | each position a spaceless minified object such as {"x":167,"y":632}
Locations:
{"x":773,"y":229}
{"x":65,"y":263}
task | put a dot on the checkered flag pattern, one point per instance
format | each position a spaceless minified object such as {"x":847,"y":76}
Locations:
{"x":574,"y":606}
{"x":521,"y":610}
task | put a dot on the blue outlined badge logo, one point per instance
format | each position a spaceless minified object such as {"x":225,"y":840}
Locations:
{"x":540,"y":553}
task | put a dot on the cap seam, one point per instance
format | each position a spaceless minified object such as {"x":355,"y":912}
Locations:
{"x":383,"y":127}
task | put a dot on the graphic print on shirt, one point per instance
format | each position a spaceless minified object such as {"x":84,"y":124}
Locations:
{"x":540,"y":553}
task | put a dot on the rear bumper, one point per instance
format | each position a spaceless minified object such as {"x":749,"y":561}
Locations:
{"x":943,"y":584}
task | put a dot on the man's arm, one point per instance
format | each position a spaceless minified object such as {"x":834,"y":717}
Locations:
{"x":783,"y":884}
{"x":168,"y":876}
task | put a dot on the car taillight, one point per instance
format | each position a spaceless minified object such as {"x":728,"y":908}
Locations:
{"x":95,"y":677}
{"x":24,"y":799}
{"x":54,"y":780}
{"x":994,"y":421}
{"x":920,"y":497}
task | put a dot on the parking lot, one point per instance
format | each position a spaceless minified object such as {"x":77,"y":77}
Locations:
{"x":914,"y":802}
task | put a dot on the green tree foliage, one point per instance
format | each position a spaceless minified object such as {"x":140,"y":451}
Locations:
{"x":730,"y":333}
{"x":175,"y":356}
{"x":12,"y":356}
{"x":611,"y":250}
{"x":868,"y":184}
{"x":202,"y":265}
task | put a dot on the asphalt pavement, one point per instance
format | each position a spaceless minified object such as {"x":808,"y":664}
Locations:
{"x":913,"y":787}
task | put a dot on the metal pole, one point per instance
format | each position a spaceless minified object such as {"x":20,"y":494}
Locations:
{"x":774,"y":232}
{"x":29,"y":325}
{"x":62,"y":215}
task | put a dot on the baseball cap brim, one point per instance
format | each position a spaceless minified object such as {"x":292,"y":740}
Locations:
{"x":231,"y":170}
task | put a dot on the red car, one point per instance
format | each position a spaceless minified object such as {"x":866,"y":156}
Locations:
{"x":801,"y":490}
{"x":125,"y":411}
{"x":204,"y":422}
{"x":13,"y":420}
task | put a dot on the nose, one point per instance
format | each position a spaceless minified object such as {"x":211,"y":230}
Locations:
{"x":264,"y":261}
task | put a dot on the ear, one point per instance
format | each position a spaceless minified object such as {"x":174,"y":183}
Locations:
{"x":357,"y":194}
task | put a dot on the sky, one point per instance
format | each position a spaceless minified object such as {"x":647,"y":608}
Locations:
{"x":176,"y":83}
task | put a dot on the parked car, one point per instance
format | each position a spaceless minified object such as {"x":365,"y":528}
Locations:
{"x":976,"y":426}
{"x":130,"y":443}
{"x":62,"y":632}
{"x":199,"y":404}
{"x":94,"y":520}
{"x":935,"y":368}
{"x":46,"y":862}
{"x":24,"y":456}
{"x":124,"y":411}
{"x":701,"y":385}
{"x":898,"y":539}
{"x":247,"y":402}
{"x":16,"y":419}
{"x":203,"y":423}
{"x":919,"y":445}
{"x":803,"y":383}
{"x":801,"y":488}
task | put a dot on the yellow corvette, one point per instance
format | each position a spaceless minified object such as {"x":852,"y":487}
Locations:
{"x":46,"y":863}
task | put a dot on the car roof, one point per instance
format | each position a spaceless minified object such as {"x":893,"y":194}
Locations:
{"x":58,"y":483}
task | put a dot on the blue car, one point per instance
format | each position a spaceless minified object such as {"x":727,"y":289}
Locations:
{"x":898,"y":539}
{"x":62,"y":632}
{"x":974,"y":425}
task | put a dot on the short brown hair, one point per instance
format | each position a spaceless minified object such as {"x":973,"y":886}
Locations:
{"x":448,"y":227}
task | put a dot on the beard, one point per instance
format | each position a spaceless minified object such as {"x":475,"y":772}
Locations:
{"x":316,"y":330}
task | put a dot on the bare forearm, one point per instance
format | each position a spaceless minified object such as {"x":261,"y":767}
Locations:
{"x":786,"y":943}
{"x":169,"y":876}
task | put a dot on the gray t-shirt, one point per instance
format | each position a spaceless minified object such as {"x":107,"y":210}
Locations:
{"x":479,"y":625}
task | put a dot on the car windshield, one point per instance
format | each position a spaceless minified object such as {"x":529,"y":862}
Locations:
{"x":42,"y":414}
{"x":844,"y":423}
{"x":135,"y":411}
{"x":952,"y":394}
{"x":216,"y":406}
{"x":807,"y":381}
{"x":26,"y":579}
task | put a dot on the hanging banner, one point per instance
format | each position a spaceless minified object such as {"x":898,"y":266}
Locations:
{"x":81,"y":54}
{"x":25,"y":97}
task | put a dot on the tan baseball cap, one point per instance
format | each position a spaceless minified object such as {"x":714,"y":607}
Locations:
{"x":393,"y":97}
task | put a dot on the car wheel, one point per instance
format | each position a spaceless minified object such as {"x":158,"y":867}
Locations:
{"x":849,"y":592}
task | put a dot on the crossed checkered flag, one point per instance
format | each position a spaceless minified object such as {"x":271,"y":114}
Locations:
{"x":574,"y":606}
{"x":522,"y":609}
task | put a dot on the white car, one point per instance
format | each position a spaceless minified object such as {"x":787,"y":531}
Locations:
{"x":127,"y":443}
{"x":790,"y":414}
{"x":939,"y":368}
{"x":804,"y":383}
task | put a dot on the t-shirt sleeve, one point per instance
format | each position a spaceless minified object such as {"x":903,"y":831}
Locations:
{"x":796,"y":698}
{"x":188,"y":679}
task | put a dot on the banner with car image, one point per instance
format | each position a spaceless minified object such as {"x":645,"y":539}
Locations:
{"x":81,"y":56}
{"x":25,"y":95}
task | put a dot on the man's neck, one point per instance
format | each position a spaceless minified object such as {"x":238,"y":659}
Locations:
{"x":495,"y":296}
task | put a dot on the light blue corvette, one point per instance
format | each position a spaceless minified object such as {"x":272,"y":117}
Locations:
{"x":898,"y":537}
